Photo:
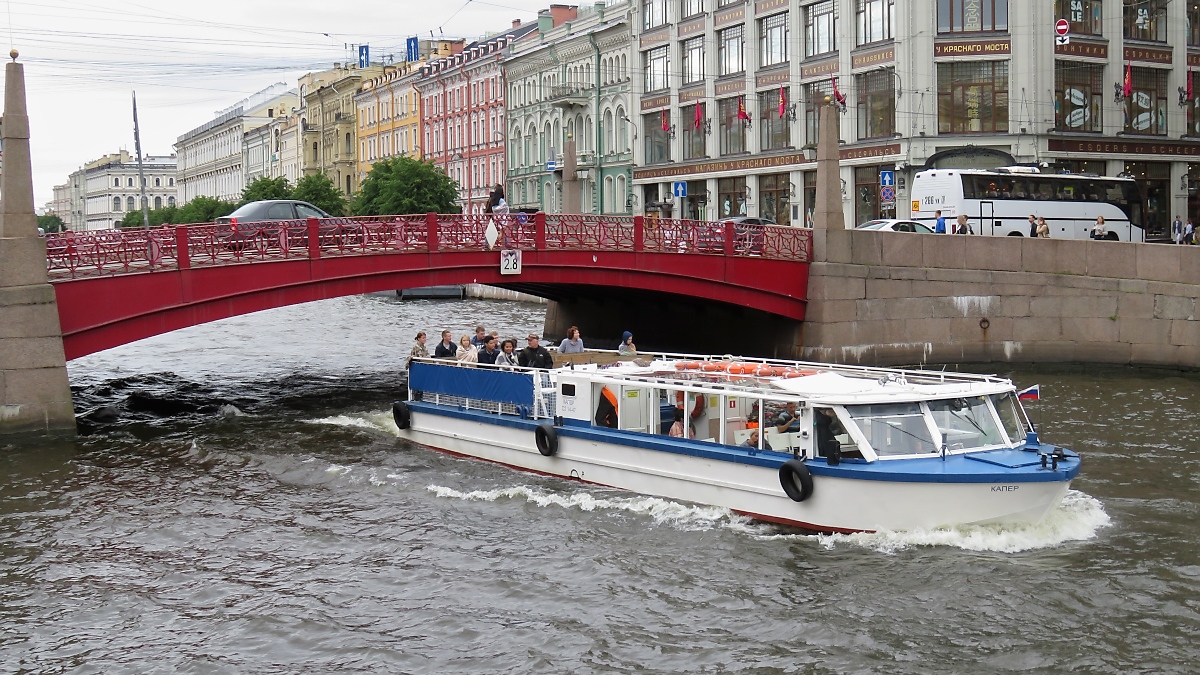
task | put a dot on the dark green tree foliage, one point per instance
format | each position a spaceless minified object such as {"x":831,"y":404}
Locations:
{"x":405,"y":185}
{"x":320,"y":191}
{"x":50,"y":223}
{"x":203,"y":210}
{"x":266,"y":188}
{"x":163,"y":216}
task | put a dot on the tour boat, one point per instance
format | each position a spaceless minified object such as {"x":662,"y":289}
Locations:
{"x":859,"y":449}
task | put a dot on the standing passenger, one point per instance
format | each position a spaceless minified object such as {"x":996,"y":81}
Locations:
{"x":572,"y":344}
{"x":1100,"y":230}
{"x":446,"y":349}
{"x":939,"y":225}
{"x":1032,"y":226}
{"x":1043,"y":230}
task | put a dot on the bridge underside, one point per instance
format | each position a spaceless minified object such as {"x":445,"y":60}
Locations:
{"x":666,"y":299}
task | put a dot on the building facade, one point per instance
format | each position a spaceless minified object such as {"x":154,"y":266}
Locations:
{"x":572,"y":82}
{"x":109,"y":189}
{"x":211,"y":156}
{"x":462,"y":113}
{"x":389,"y":108}
{"x":329,"y":133}
{"x":729,"y":92}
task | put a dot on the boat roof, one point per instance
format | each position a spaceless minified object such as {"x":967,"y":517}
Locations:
{"x":832,"y":384}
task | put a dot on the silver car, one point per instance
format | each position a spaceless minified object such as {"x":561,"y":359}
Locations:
{"x":894,"y":225}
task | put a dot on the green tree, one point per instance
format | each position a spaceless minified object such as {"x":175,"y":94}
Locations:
{"x":203,"y":210}
{"x":50,"y":223}
{"x":267,"y":188}
{"x":318,"y":190}
{"x":163,"y":216}
{"x":405,"y":185}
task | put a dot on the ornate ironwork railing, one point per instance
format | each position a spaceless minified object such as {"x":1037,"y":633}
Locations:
{"x":74,"y":255}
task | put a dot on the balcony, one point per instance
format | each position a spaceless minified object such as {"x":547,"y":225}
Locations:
{"x":568,"y":96}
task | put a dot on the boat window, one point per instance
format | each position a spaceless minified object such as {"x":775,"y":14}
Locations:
{"x":1010,"y":418}
{"x":966,"y":423}
{"x":894,"y":429}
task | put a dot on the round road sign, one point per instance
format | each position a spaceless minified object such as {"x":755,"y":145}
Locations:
{"x":1062,"y":27}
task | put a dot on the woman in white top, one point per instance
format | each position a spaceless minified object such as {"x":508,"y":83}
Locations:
{"x":1100,"y":230}
{"x":467,"y":352}
{"x":572,"y":344}
{"x":507,"y":358}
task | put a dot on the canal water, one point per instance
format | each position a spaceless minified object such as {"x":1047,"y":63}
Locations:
{"x":252,"y":510}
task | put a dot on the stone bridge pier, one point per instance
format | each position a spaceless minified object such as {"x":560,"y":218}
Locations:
{"x":35,"y":396}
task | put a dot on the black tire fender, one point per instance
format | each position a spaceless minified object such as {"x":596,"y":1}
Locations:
{"x":401,"y":414}
{"x":546,"y":438}
{"x":796,"y":480}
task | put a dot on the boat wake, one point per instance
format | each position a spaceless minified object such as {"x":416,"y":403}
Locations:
{"x":688,"y":517}
{"x":1078,"y":518}
{"x":380,"y":422}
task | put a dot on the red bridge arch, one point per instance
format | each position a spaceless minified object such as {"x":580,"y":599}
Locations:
{"x":118,"y":286}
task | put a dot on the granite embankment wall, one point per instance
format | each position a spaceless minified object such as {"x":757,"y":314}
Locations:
{"x":888,"y":298}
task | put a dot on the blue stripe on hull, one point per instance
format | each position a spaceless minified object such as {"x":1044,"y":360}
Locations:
{"x":990,"y":466}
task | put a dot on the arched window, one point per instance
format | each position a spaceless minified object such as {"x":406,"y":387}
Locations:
{"x":171,"y":182}
{"x":157,"y":182}
{"x":349,"y":189}
{"x":170,"y":201}
{"x":621,"y":195}
{"x":157,"y":203}
{"x":130,"y":205}
{"x":622,"y":131}
{"x":129,"y":182}
{"x":349,"y":144}
{"x":116,"y":182}
{"x":116,"y":203}
{"x":607,"y":132}
{"x":608,"y":195}
{"x":315,"y":157}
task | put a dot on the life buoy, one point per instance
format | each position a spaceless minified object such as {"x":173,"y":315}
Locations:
{"x":401,"y":414}
{"x":546,"y":438}
{"x":764,"y":371}
{"x":687,"y":365}
{"x":796,"y":480}
{"x":710,"y":367}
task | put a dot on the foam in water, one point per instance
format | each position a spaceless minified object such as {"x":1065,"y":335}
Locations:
{"x":1077,"y":518}
{"x":375,"y":422}
{"x":662,"y":511}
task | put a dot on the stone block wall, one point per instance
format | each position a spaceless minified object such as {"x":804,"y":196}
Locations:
{"x":888,"y":298}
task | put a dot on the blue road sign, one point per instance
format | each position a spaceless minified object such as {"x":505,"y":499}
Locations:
{"x":551,"y":165}
{"x":887,"y":178}
{"x":412,"y":50}
{"x":679,"y":188}
{"x":522,"y":217}
{"x":364,"y":56}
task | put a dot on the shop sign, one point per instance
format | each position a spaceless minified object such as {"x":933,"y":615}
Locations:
{"x":822,"y":68}
{"x":1147,"y":55}
{"x":1125,"y":148}
{"x":688,"y":95}
{"x":728,"y":16}
{"x":870,"y":151}
{"x":655,"y":38}
{"x":731,"y":87}
{"x":874,"y":57}
{"x":971,"y":48}
{"x":658,"y":101}
{"x":693,"y":27}
{"x":1092,"y":50}
{"x":723,"y":166}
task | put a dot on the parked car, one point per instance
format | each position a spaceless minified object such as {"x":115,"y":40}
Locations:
{"x":894,"y":225}
{"x":254,"y":220}
{"x":273,"y":209}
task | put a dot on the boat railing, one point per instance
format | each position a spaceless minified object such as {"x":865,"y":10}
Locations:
{"x":912,"y":375}
{"x":508,"y":390}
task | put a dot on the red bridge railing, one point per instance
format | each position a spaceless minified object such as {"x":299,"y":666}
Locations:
{"x":74,"y":255}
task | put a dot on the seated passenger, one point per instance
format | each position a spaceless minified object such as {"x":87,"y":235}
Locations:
{"x":787,"y":421}
{"x":677,"y":427}
{"x":606,"y":411}
{"x":752,"y":442}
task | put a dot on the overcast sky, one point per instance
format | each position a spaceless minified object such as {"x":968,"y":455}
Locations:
{"x":187,"y":60}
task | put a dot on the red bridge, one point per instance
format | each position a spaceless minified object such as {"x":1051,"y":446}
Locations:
{"x":117,"y":286}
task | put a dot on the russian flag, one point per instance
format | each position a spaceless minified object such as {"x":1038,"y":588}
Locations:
{"x":1031,"y":394}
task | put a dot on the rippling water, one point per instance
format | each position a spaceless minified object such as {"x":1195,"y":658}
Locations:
{"x":252,"y":510}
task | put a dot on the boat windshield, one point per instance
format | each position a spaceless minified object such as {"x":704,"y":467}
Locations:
{"x":1010,"y":417}
{"x":966,"y":423}
{"x":894,"y":428}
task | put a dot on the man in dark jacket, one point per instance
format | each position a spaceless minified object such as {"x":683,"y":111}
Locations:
{"x":535,"y":356}
{"x":488,"y":352}
{"x":446,"y":349}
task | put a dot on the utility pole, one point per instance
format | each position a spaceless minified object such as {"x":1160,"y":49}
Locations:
{"x":137,"y":143}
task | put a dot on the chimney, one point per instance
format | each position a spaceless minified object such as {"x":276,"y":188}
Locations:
{"x":563,"y":13}
{"x":516,"y":23}
{"x":545,"y":20}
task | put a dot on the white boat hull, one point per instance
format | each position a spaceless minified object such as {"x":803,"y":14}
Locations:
{"x":836,"y":505}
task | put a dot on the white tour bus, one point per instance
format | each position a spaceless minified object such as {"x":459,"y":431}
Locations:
{"x":1000,"y":201}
